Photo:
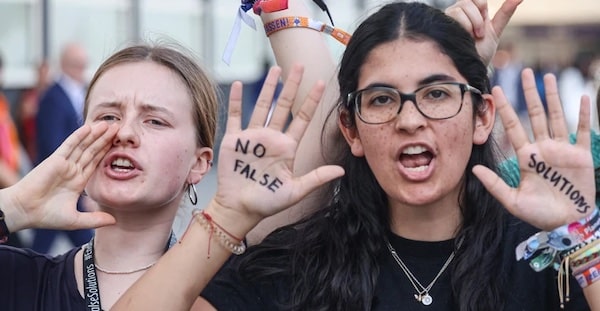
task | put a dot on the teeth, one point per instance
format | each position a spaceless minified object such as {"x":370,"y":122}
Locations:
{"x":122,"y":162}
{"x":414,"y":150}
{"x":417,"y":169}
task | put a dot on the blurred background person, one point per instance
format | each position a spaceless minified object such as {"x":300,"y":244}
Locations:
{"x":60,"y":113}
{"x":27,"y":109}
{"x":507,"y":74}
{"x":576,"y":80}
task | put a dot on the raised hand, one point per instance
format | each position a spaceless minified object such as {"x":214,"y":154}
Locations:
{"x":473,"y":15}
{"x":557,"y":178}
{"x":255,"y":176}
{"x":47,"y":196}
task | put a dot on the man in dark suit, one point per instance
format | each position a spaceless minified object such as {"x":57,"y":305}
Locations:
{"x":60,"y":113}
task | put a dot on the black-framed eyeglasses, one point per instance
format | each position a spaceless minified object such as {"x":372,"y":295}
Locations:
{"x":437,"y":101}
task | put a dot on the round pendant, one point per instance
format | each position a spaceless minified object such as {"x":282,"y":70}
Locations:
{"x":426,"y":299}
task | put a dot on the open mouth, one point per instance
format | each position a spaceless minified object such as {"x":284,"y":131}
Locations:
{"x":416,"y":158}
{"x":121,"y":165}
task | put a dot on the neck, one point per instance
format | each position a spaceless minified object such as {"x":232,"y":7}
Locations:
{"x":131,"y":243}
{"x":436,"y":222}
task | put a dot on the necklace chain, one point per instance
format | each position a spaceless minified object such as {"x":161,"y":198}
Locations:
{"x":146,"y":267}
{"x":422,"y":294}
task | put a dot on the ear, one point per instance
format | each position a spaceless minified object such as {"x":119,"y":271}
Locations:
{"x":484,"y":120}
{"x":351,"y":135}
{"x":201,"y":166}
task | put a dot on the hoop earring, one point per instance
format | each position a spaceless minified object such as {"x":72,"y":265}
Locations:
{"x":192,"y":194}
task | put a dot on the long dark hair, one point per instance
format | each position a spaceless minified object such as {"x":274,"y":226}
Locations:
{"x":332,"y":257}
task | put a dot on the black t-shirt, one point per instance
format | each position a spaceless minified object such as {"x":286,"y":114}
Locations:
{"x":31,"y":281}
{"x":526,"y":289}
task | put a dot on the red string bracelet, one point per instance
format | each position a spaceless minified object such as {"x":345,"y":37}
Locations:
{"x":231,"y":242}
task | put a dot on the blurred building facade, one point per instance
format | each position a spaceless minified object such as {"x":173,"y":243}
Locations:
{"x":545,"y":33}
{"x":31,"y":30}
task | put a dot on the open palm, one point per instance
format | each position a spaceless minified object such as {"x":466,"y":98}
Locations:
{"x":557,"y":178}
{"x":255,"y":165}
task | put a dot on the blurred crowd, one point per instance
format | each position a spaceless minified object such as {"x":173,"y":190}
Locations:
{"x":580,"y":76}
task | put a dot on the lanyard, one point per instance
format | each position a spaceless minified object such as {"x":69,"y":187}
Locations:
{"x":91,"y":290}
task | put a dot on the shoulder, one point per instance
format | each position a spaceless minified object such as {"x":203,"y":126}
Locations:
{"x":41,"y":280}
{"x":23,"y":257}
{"x":53,"y":91}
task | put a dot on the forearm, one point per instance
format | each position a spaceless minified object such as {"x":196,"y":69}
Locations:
{"x":302,"y":46}
{"x":179,"y":277}
{"x":308,"y":48}
{"x":592,"y":294}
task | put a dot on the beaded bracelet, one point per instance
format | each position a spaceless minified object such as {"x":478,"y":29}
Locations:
{"x":229,"y":241}
{"x":306,"y":22}
{"x":4,"y":233}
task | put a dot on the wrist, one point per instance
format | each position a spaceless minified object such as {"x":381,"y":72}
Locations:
{"x":234,"y":221}
{"x":13,"y":217}
{"x":295,"y":7}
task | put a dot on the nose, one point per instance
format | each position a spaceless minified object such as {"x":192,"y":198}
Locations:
{"x":128,"y":134}
{"x":409,"y":118}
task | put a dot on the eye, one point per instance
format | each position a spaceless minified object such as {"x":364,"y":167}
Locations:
{"x":380,"y":97}
{"x":156,"y":122}
{"x":436,"y":94}
{"x":381,"y":100}
{"x":107,"y":117}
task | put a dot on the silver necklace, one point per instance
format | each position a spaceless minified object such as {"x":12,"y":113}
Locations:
{"x":422,"y":294}
{"x":146,"y":267}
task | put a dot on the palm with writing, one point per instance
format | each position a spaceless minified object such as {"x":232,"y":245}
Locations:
{"x":557,"y":178}
{"x":255,"y":171}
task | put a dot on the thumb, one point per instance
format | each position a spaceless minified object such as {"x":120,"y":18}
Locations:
{"x":496,"y":186}
{"x":91,"y":220}
{"x":316,"y":178}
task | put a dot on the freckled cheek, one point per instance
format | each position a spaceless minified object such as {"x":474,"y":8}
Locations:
{"x":457,"y":143}
{"x":375,"y":141}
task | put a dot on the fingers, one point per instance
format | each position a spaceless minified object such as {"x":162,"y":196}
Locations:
{"x":69,"y":147}
{"x":512,"y":126}
{"x":286,"y":98}
{"x":558,"y":126}
{"x":504,"y":14}
{"x":88,"y":144}
{"x":234,"y":113}
{"x":471,"y":14}
{"x":95,"y":146}
{"x":535,"y":109}
{"x":303,"y":117}
{"x":583,"y":126}
{"x":265,"y":99}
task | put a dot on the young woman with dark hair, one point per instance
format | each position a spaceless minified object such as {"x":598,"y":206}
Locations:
{"x":417,"y":220}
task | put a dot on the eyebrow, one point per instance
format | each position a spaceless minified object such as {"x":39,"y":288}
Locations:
{"x":144,"y":107}
{"x":428,"y":80}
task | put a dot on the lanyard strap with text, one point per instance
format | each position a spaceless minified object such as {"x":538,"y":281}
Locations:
{"x":91,"y":290}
